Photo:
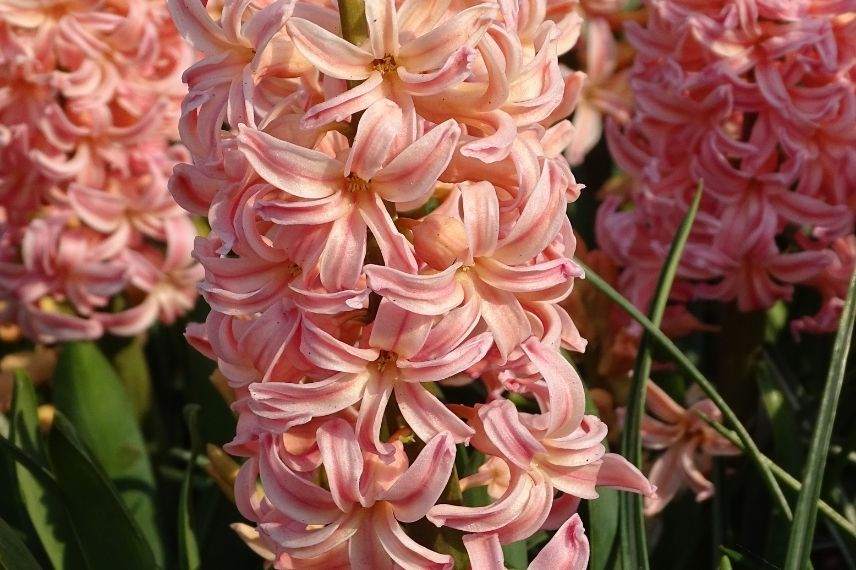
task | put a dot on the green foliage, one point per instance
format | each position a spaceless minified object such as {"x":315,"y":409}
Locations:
{"x":634,"y":549}
{"x":43,"y":504}
{"x":13,"y":552}
{"x":106,"y":528}
{"x":805,"y":517}
{"x":89,"y":392}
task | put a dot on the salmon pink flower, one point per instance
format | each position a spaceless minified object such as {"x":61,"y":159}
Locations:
{"x":689,"y":445}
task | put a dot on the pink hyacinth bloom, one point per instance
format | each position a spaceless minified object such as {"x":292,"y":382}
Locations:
{"x":361,"y":511}
{"x":400,"y":62}
{"x":568,"y":549}
{"x":89,"y":96}
{"x":688,"y":442}
{"x":388,"y":221}
{"x":753,"y":104}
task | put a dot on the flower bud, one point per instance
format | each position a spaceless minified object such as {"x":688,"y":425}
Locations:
{"x":440,"y":241}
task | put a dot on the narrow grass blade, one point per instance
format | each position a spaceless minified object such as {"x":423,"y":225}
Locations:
{"x":188,"y":547}
{"x":633,"y":541}
{"x":825,"y":508}
{"x":805,"y":515}
{"x":696,"y":376}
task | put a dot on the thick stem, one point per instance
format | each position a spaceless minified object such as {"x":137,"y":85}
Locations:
{"x":352,"y":15}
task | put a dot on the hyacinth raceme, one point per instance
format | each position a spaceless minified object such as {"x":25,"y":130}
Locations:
{"x":90,"y":238}
{"x":388,"y":219}
{"x":756,"y":100}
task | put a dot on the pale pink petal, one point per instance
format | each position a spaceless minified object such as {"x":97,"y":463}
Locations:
{"x":399,"y":331}
{"x":432,"y":294}
{"x":418,"y":488}
{"x":413,"y":174}
{"x":383,"y":27}
{"x":343,"y":461}
{"x":341,"y":107}
{"x":618,"y":473}
{"x":528,"y":278}
{"x":377,"y":129}
{"x":455,"y":70}
{"x":299,"y":171}
{"x":491,"y":517}
{"x":327,"y":352}
{"x":328,"y":52}
{"x":407,"y":553}
{"x":567,"y":395}
{"x":431,"y":50}
{"x":196,"y":26}
{"x":484,"y":551}
{"x":503,"y":428}
{"x":287,"y":402}
{"x":481,"y":217}
{"x":451,"y":362}
{"x":372,"y":407}
{"x":293,"y":495}
{"x":427,"y":415}
{"x":504,"y":316}
{"x":365,"y":549}
{"x":568,"y":549}
{"x":341,"y":262}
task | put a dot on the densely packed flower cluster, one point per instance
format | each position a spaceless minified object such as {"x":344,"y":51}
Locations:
{"x":90,"y":238}
{"x":757,"y":100}
{"x":388,"y":224}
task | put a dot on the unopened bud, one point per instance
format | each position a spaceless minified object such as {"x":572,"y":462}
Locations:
{"x":223,"y":469}
{"x":440,"y":241}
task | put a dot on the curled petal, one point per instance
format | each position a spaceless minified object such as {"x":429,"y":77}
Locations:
{"x":328,"y":52}
{"x":293,"y":495}
{"x":403,"y":550}
{"x":433,"y":294}
{"x":568,"y":549}
{"x":299,"y":171}
{"x":412,"y":174}
{"x":418,"y":488}
{"x":343,"y":461}
{"x":427,"y":415}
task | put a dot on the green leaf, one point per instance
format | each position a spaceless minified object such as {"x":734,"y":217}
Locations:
{"x":805,"y":515}
{"x":633,"y":540}
{"x":603,"y":520}
{"x":91,"y":395}
{"x":130,"y":363}
{"x":107,"y":531}
{"x":515,"y":555}
{"x":13,"y":554}
{"x":725,"y":563}
{"x":684,"y":363}
{"x":42,"y":502}
{"x":188,"y":548}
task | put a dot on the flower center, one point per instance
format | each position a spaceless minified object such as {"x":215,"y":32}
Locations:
{"x":385,"y":358}
{"x":357,"y":184}
{"x":294,"y":270}
{"x":385,"y":65}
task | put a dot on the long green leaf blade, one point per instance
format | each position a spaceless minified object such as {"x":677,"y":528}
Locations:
{"x":696,"y":376}
{"x":188,"y":548}
{"x":805,"y":516}
{"x":43,"y":504}
{"x":13,"y":553}
{"x":107,"y":531}
{"x":633,"y":541}
{"x":89,"y":392}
